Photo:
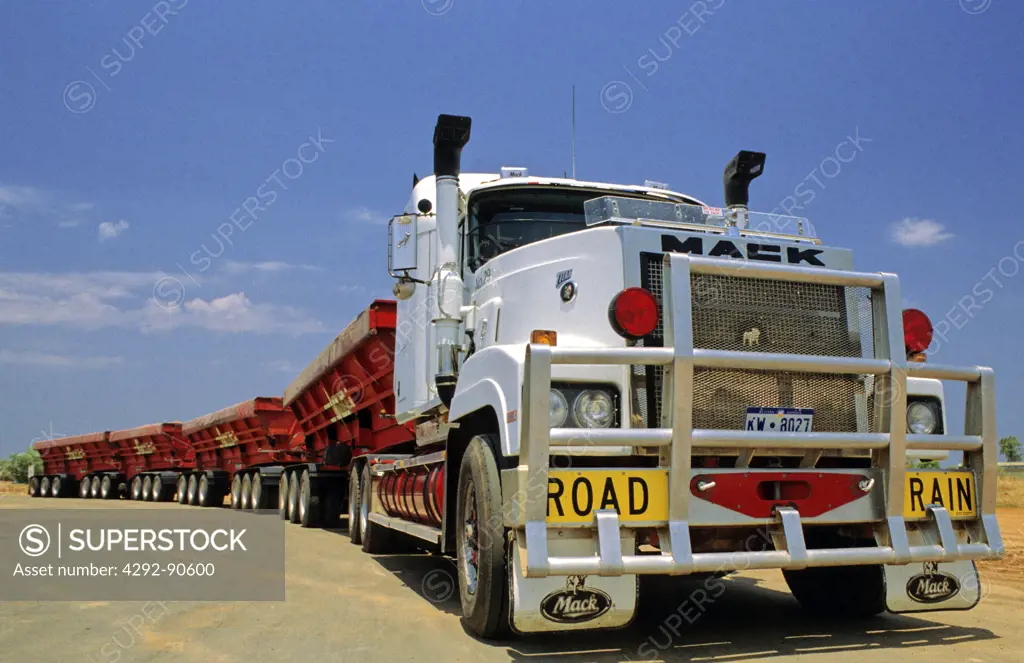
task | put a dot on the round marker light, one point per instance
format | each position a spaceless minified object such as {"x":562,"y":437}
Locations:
{"x":633,"y":313}
{"x":593,"y":409}
{"x":921,"y":418}
{"x":559,"y":409}
{"x":917,"y":330}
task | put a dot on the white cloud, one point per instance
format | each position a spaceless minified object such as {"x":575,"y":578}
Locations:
{"x":29,"y":204}
{"x":270,"y":266}
{"x":919,"y":232}
{"x":109,"y":230}
{"x":69,"y":223}
{"x":95,"y":300}
{"x":20,"y":197}
{"x":281,"y":366}
{"x":30,"y":358}
{"x":364,"y":215}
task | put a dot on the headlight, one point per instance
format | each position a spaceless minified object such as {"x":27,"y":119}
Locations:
{"x":922,"y":418}
{"x":559,"y":409}
{"x":593,"y":409}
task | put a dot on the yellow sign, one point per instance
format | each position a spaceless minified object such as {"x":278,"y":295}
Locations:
{"x":144,"y":448}
{"x":75,"y":454}
{"x":227,"y":440}
{"x":953,"y":490}
{"x":341,"y":404}
{"x":637,"y":495}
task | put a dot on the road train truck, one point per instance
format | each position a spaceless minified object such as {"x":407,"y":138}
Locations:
{"x":606,"y":381}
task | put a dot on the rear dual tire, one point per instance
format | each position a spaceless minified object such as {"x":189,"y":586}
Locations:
{"x":96,"y":487}
{"x":57,"y":487}
{"x":283,"y":490}
{"x":85,"y":488}
{"x":355,"y":533}
{"x":181,"y":489}
{"x":44,"y":487}
{"x":863,"y":592}
{"x":107,"y":488}
{"x":33,"y":487}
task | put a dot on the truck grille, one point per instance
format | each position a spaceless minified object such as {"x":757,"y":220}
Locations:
{"x":758,"y":315}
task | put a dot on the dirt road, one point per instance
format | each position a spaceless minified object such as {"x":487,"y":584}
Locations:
{"x":345,"y":606}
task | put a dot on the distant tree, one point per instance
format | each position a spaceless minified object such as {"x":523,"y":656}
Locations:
{"x":15,"y":468}
{"x":1010,"y":447}
{"x":925,"y":465}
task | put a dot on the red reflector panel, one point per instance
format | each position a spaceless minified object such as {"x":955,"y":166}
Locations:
{"x":633,"y":313}
{"x":757,"y":494}
{"x":917,"y":330}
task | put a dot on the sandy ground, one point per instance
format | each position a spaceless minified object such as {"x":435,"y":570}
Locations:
{"x":345,"y":606}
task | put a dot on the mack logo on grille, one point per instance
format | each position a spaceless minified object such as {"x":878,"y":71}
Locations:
{"x":725,"y":248}
{"x":932,"y":585}
{"x":575,"y":603}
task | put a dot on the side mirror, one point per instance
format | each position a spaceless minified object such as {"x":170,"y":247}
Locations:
{"x":402,"y":252}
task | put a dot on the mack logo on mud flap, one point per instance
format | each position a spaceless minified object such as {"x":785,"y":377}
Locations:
{"x":725,"y":248}
{"x":932,"y":586}
{"x":575,"y":603}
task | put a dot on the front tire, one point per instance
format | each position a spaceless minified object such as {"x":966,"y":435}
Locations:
{"x":355,"y":490}
{"x":480,"y":542}
{"x":863,"y":592}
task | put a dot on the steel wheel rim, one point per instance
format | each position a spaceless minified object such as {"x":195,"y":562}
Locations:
{"x":364,"y":507}
{"x":470,"y":545}
{"x":353,"y":493}
{"x":257,"y":490}
{"x":303,"y":492}
{"x":85,"y":489}
{"x":204,"y":487}
{"x":282,"y":496}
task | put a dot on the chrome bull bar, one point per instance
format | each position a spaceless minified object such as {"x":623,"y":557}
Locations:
{"x":676,"y":439}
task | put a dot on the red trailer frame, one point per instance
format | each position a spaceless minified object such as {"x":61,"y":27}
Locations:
{"x":81,"y":460}
{"x":152,"y":458}
{"x":251,"y":434}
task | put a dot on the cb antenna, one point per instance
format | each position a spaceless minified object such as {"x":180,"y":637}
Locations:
{"x":574,"y":132}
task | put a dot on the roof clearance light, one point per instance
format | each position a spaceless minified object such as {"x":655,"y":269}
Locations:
{"x":917,"y":331}
{"x":514,"y":171}
{"x":633,"y":313}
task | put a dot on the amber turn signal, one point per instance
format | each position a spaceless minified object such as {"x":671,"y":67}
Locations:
{"x":544,"y":337}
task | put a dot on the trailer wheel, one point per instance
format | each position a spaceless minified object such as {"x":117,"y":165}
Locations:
{"x":480,"y":548}
{"x":293,"y":498}
{"x":94,"y":487}
{"x":136,"y":493}
{"x":206,"y":496}
{"x":57,"y":486}
{"x":863,"y":590}
{"x":181,"y":489}
{"x":246,"y":498}
{"x":44,"y":487}
{"x":157,"y":491}
{"x":309,"y":501}
{"x":147,"y":488}
{"x":258,"y":497}
{"x":355,"y":532}
{"x":193,"y":490}
{"x":107,"y":488}
{"x":282,"y":495}
{"x":33,"y":487}
{"x":85,"y":488}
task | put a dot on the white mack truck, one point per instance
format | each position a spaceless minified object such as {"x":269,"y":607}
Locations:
{"x":609,"y":381}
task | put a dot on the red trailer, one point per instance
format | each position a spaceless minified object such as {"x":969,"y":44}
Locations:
{"x":344,"y":406}
{"x":229,"y":444}
{"x":151,"y":459}
{"x":83,"y":460}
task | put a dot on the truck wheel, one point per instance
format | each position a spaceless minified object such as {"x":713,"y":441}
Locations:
{"x":282,"y":495}
{"x":57,"y":486}
{"x":136,"y":493}
{"x":355,"y":533}
{"x":147,"y":489}
{"x":157,"y":494}
{"x":258,"y":499}
{"x":33,"y":487}
{"x":309,"y":501}
{"x":206,"y":497}
{"x":377,"y":539}
{"x":236,"y":492}
{"x":44,"y":487}
{"x":863,"y":592}
{"x":193,"y":490}
{"x":94,"y":488}
{"x":85,"y":488}
{"x":245,"y":499}
{"x":293,"y":497}
{"x":107,"y":488}
{"x":181,"y":489}
{"x":480,"y":547}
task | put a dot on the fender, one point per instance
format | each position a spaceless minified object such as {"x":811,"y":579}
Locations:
{"x":493,"y":377}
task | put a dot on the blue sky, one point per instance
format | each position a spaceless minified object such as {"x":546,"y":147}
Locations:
{"x":132,"y":131}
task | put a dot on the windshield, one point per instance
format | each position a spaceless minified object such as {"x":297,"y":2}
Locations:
{"x":505,"y":219}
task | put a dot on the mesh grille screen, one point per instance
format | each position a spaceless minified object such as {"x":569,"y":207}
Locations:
{"x":757,"y":315}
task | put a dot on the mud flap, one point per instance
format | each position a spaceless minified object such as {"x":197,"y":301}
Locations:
{"x":571,"y":603}
{"x":932,"y":586}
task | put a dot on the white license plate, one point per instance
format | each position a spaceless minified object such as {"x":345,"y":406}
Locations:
{"x":780,"y":419}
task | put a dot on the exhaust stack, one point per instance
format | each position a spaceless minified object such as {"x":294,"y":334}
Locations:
{"x":450,"y":135}
{"x":740,"y":172}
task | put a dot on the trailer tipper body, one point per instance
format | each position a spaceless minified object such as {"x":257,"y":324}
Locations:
{"x":229,"y":444}
{"x":151,"y":458}
{"x":75,"y":465}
